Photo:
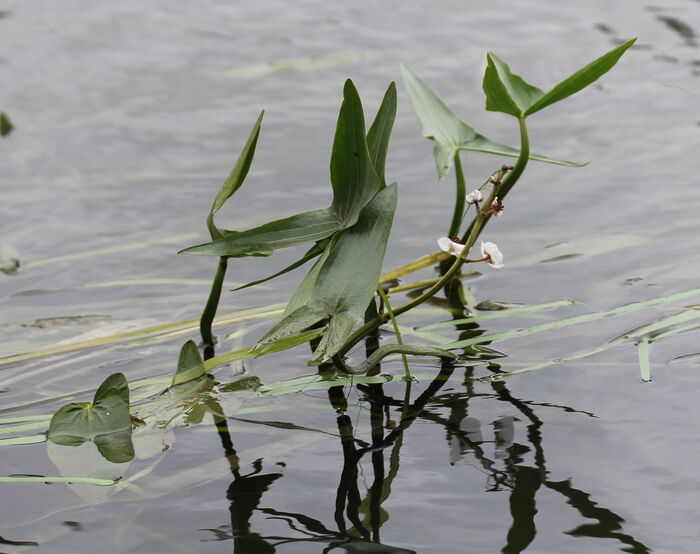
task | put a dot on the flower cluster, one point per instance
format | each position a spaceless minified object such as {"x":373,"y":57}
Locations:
{"x":489,"y":251}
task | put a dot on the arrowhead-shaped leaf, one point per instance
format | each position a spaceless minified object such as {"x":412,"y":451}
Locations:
{"x":449,"y":133}
{"x":190,"y":365}
{"x":6,"y":125}
{"x":354,"y":179}
{"x":380,"y":131}
{"x":343,"y":280}
{"x":511,"y":94}
{"x":235,"y":178}
{"x":105,"y":420}
{"x":582,"y":78}
{"x":505,"y":91}
{"x":282,"y":233}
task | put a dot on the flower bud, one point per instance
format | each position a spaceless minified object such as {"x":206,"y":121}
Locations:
{"x":474,"y":196}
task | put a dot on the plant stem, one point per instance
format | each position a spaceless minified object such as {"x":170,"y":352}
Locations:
{"x":385,"y":299}
{"x":212,"y":304}
{"x":468,"y":239}
{"x":510,"y":180}
{"x":461,"y":193}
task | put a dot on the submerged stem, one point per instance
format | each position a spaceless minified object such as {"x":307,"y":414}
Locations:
{"x":212,"y":304}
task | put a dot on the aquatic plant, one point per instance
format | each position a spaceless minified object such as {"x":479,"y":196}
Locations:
{"x":350,"y":236}
{"x":344,"y":298}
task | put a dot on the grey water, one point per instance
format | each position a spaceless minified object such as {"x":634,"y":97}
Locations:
{"x":129,"y":115}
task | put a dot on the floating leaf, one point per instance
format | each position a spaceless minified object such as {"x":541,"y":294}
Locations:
{"x":451,"y":134}
{"x":388,"y":349}
{"x":33,"y":439}
{"x":190,"y":365}
{"x":343,"y":280}
{"x":319,"y":382}
{"x":105,"y":421}
{"x":46,"y":480}
{"x":643,"y":353}
{"x":299,"y":64}
{"x":9,"y":259}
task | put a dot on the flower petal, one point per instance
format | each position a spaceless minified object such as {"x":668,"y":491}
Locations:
{"x":491,"y":250}
{"x":451,"y":247}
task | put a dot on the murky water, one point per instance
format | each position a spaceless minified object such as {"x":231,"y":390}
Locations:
{"x":129,"y":115}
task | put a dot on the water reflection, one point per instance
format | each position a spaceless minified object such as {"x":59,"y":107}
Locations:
{"x":512,"y":464}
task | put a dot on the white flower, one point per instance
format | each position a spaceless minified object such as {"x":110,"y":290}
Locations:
{"x":474,"y":196}
{"x":450,"y":246}
{"x":490,"y":250}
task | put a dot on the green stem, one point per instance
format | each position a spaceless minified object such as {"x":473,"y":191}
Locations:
{"x":472,"y":233}
{"x":460,"y":199}
{"x":212,"y":304}
{"x":511,"y":179}
{"x":397,"y":332}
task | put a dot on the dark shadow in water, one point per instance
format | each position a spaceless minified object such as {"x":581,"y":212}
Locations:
{"x":681,"y":28}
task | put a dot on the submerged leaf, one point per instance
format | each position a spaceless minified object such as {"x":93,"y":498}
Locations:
{"x":450,"y":134}
{"x":105,"y":421}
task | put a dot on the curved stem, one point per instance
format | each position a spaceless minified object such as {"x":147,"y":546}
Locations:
{"x":461,"y":193}
{"x":468,"y":239}
{"x":212,"y":304}
{"x":513,"y":176}
{"x":385,"y":299}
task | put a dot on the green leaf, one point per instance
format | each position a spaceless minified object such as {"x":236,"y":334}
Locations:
{"x":6,"y":125}
{"x":343,"y":280}
{"x":582,"y":78}
{"x":353,"y":178}
{"x":298,"y":229}
{"x":235,"y":178}
{"x":314,"y":251}
{"x":189,"y":365}
{"x":505,"y":91}
{"x":387,"y":349}
{"x":33,"y":439}
{"x":380,"y":132}
{"x":319,"y":382}
{"x":511,"y":94}
{"x":451,"y":134}
{"x":9,"y":259}
{"x":105,"y":420}
{"x":45,"y":480}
